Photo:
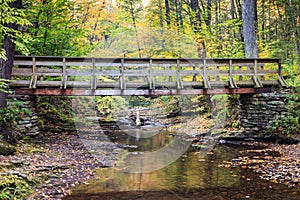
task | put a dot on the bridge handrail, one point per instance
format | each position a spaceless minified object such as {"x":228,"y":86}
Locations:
{"x":33,"y":67}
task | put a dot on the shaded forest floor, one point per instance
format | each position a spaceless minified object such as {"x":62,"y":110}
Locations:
{"x":53,"y":164}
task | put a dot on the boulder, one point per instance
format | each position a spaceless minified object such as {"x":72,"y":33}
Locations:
{"x":6,"y":148}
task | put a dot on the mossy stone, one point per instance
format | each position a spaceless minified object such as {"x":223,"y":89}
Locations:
{"x":6,"y":148}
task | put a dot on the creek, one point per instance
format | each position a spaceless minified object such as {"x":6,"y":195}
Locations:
{"x":193,"y":175}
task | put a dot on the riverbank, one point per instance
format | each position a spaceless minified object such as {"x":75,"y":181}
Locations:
{"x":55,"y":163}
{"x":284,"y":168}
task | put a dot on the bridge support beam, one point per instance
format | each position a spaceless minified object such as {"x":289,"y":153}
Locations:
{"x":257,"y":111}
{"x":139,"y":92}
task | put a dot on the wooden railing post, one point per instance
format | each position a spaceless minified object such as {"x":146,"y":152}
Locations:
{"x":94,"y":78}
{"x":257,"y":82}
{"x":218,"y":71}
{"x":34,"y":75}
{"x":122,"y":78}
{"x":262,"y":77}
{"x":170,"y":77}
{"x":205,"y":78}
{"x":64,"y":75}
{"x":195,"y":75}
{"x":178,"y":77}
{"x":151,"y":78}
{"x":240,"y":76}
{"x":232,"y":84}
{"x":280,"y":78}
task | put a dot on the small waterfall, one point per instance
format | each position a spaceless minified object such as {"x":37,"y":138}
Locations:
{"x":137,"y":118}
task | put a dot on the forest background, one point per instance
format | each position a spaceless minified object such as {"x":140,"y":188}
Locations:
{"x":153,"y":28}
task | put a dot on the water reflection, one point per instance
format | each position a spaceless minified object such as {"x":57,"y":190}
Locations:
{"x":187,"y":173}
{"x":192,"y":176}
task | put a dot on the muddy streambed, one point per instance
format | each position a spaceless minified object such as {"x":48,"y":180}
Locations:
{"x":219,"y":170}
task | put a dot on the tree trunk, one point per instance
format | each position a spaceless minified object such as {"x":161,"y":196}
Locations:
{"x":9,"y":48}
{"x":197,"y":27}
{"x":249,"y":16}
{"x":168,"y":21}
{"x":133,"y":17}
{"x":196,"y":21}
{"x":208,"y":11}
{"x":161,"y":24}
{"x":232,"y":9}
{"x":179,"y":14}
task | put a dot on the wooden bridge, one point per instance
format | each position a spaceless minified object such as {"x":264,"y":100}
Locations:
{"x":75,"y":76}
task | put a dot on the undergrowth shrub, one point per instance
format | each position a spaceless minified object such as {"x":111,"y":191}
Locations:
{"x":14,"y":187}
{"x":55,"y":111}
{"x":287,"y":126}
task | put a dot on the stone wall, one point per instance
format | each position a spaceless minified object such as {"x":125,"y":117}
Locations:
{"x":28,"y":125}
{"x":258,"y":110}
{"x":255,"y":111}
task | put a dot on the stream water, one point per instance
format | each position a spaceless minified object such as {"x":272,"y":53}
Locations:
{"x":191,"y":176}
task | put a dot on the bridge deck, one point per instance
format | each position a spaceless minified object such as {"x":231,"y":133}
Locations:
{"x":117,"y":76}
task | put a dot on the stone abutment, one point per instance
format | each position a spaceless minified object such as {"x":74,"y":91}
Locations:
{"x":28,"y":123}
{"x":257,"y":111}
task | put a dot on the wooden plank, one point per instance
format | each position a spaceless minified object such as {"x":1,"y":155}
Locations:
{"x":135,"y":73}
{"x":164,"y":72}
{"x":192,"y":72}
{"x":20,"y":62}
{"x":245,"y":83}
{"x":162,"y":92}
{"x":79,"y":72}
{"x":54,"y":74}
{"x":48,"y":70}
{"x":166,"y":85}
{"x":135,"y":61}
{"x":85,"y":72}
{"x":220,"y":83}
{"x":21,"y":71}
{"x":50,"y":84}
{"x":108,"y":85}
{"x":20,"y":83}
{"x":270,"y":82}
{"x":79,"y":83}
{"x":196,"y":84}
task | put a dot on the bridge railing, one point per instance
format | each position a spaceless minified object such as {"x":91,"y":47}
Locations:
{"x":144,"y":73}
